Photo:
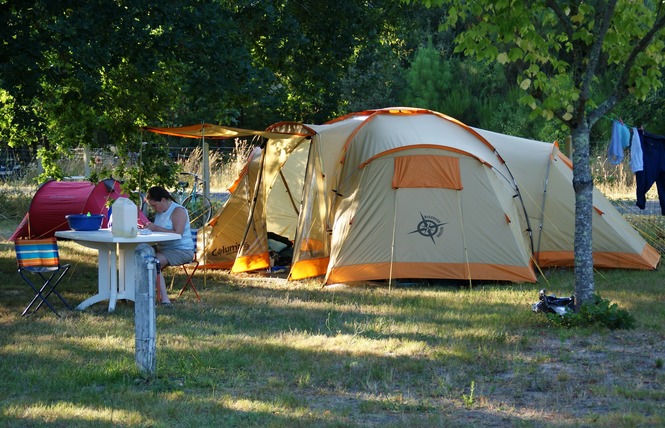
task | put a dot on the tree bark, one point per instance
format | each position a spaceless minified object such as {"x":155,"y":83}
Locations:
{"x":583,"y":185}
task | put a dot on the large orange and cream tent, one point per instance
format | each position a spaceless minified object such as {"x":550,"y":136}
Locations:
{"x":410,"y":193}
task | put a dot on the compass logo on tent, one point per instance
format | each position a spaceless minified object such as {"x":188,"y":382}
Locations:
{"x":429,"y":227}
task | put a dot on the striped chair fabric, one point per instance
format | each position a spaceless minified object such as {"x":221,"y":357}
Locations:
{"x":39,"y":259}
{"x":37,"y":253}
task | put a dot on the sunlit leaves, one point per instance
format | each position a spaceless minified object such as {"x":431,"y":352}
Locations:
{"x":551,"y":46}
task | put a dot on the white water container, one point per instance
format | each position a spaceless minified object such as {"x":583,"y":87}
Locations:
{"x":125,"y":215}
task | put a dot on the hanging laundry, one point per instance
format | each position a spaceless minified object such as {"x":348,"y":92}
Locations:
{"x":653,"y":150}
{"x":619,"y":140}
{"x":636,"y":155}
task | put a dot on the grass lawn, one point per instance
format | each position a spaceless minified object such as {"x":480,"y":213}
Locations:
{"x":257,"y":352}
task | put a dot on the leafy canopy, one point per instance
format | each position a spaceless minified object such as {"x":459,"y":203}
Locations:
{"x":559,"y":49}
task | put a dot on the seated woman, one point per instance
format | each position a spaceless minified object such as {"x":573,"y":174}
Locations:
{"x":170,"y":217}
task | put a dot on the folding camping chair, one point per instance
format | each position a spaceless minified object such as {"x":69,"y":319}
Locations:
{"x":190,"y":268}
{"x":39,"y":259}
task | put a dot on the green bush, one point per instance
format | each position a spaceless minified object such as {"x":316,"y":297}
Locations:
{"x":597,"y":312}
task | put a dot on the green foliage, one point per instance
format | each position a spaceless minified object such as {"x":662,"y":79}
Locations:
{"x":465,"y":89}
{"x":549,"y":44}
{"x":427,"y":81}
{"x":91,"y":73}
{"x":308,"y":61}
{"x":597,"y":312}
{"x":470,"y":399}
{"x":143,"y":165}
{"x":372,"y":81}
{"x":49,"y":157}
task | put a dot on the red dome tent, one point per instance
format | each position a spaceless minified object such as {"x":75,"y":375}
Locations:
{"x":56,"y":199}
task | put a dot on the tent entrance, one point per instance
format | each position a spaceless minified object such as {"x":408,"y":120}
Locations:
{"x":275,"y":207}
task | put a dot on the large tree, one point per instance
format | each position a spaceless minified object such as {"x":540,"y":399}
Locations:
{"x":326,"y":56}
{"x":92,"y":71}
{"x":560,"y":49}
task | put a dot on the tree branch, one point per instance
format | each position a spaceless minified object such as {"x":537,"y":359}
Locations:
{"x":639,"y":47}
{"x":621,"y":89}
{"x":602,"y":23}
{"x":563,"y":18}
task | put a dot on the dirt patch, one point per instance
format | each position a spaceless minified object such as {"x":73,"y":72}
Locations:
{"x":567,"y":381}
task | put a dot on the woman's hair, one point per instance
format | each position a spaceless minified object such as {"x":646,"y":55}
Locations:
{"x":157,"y":193}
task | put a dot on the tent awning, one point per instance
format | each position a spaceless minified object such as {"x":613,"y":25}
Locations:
{"x":210,"y":131}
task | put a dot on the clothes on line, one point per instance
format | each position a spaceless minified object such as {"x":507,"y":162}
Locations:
{"x":653,"y":158}
{"x":647,"y":159}
{"x":619,"y":140}
{"x":636,"y":155}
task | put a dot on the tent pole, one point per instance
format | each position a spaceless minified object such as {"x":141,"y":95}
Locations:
{"x":518,"y":194}
{"x":542,"y":206}
{"x":140,"y":199}
{"x":255,"y":196}
{"x":392,"y":242}
{"x":205,"y":161}
{"x":288,"y":192}
{"x":466,"y":253}
{"x":206,"y":187}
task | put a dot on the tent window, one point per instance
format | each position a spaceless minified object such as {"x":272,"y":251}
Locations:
{"x":423,"y":171}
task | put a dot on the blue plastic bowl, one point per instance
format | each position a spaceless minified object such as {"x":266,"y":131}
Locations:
{"x":84,"y":222}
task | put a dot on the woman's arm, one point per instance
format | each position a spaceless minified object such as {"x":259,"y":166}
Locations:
{"x":179,"y":218}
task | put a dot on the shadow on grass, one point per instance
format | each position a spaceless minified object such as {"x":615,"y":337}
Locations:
{"x":286,"y":355}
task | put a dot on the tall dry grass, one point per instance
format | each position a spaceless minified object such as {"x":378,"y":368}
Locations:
{"x":224,"y":167}
{"x":616,"y":181}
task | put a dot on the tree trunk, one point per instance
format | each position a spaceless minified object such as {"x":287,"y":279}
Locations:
{"x":583,"y":185}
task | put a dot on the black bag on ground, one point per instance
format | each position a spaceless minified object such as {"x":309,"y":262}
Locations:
{"x":554,"y":305}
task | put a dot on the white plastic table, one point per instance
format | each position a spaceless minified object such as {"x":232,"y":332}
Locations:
{"x":116,"y":269}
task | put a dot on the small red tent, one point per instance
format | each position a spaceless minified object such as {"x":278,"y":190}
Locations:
{"x":56,"y":199}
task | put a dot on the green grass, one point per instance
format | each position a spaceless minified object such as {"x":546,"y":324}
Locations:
{"x":265,"y":353}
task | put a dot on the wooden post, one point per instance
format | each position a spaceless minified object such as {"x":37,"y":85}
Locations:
{"x":144,"y":309}
{"x":206,"y":169}
{"x":40,"y":167}
{"x":86,"y":161}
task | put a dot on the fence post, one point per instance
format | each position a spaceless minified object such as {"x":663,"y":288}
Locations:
{"x":144,"y":309}
{"x":205,"y":160}
{"x":86,"y":160}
